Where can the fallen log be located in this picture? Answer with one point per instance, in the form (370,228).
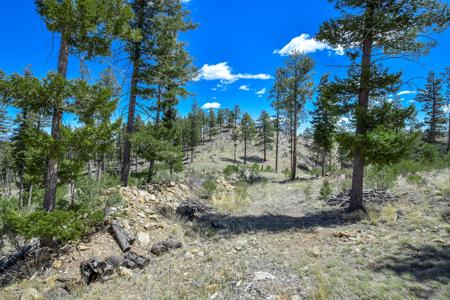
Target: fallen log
(11,260)
(121,236)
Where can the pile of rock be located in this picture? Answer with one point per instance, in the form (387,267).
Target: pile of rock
(371,197)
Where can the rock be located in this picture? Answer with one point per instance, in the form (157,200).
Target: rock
(94,269)
(133,260)
(143,239)
(57,264)
(115,261)
(165,246)
(31,294)
(260,276)
(192,209)
(56,293)
(124,272)
(83,247)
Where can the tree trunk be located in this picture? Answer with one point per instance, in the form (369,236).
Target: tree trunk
(150,171)
(126,161)
(323,163)
(245,150)
(192,154)
(21,192)
(51,180)
(448,134)
(30,195)
(278,139)
(356,198)
(294,142)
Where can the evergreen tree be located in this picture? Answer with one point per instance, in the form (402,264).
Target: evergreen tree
(323,121)
(277,94)
(220,119)
(90,33)
(235,134)
(434,104)
(161,66)
(194,127)
(446,76)
(212,124)
(247,132)
(265,128)
(388,28)
(297,80)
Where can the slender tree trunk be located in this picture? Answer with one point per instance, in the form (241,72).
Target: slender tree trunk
(150,171)
(51,180)
(192,154)
(448,134)
(356,198)
(277,139)
(30,195)
(294,142)
(245,150)
(126,161)
(323,163)
(21,191)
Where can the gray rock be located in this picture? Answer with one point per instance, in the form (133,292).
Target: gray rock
(165,246)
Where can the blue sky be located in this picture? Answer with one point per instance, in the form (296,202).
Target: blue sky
(234,47)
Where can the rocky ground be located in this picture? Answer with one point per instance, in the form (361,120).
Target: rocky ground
(270,240)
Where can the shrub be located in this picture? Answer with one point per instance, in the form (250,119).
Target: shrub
(209,186)
(268,169)
(414,179)
(325,190)
(382,178)
(230,170)
(62,226)
(287,173)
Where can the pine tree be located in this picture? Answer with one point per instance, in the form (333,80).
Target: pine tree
(235,134)
(220,119)
(323,121)
(390,28)
(194,128)
(277,94)
(296,78)
(446,76)
(247,132)
(90,33)
(434,107)
(265,128)
(212,124)
(161,66)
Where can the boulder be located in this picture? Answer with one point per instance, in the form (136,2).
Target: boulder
(165,246)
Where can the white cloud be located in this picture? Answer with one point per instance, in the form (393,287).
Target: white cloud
(261,92)
(224,73)
(306,44)
(244,88)
(213,105)
(185,1)
(406,93)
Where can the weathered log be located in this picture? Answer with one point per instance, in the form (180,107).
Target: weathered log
(133,260)
(11,260)
(120,235)
(95,269)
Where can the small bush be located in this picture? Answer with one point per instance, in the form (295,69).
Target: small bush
(414,179)
(308,191)
(268,169)
(382,178)
(287,173)
(62,226)
(209,186)
(230,170)
(325,190)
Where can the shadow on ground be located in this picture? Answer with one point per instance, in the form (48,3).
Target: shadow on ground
(420,263)
(272,223)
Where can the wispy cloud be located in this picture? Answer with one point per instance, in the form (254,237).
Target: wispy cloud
(261,92)
(185,1)
(244,88)
(306,44)
(223,72)
(213,105)
(406,93)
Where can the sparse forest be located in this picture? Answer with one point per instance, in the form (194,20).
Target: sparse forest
(118,181)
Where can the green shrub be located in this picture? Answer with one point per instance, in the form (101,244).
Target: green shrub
(63,226)
(382,178)
(255,167)
(325,190)
(414,179)
(268,169)
(230,170)
(209,186)
(287,173)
